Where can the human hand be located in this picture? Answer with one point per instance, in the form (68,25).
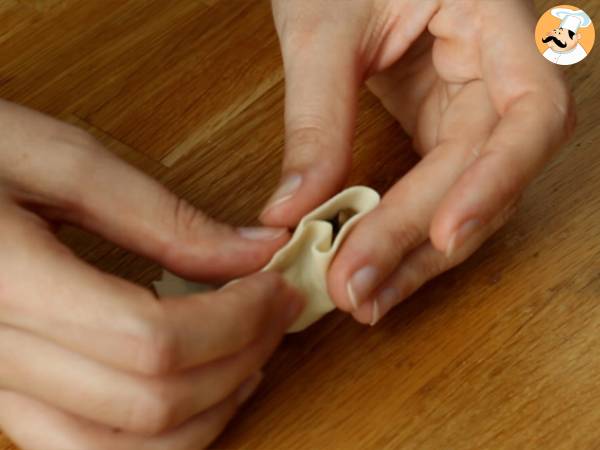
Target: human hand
(91,361)
(465,80)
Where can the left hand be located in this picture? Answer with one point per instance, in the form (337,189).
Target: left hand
(93,361)
(465,80)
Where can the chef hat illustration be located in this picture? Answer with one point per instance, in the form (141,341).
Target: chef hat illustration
(572,20)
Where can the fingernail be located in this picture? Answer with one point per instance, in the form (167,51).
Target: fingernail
(375,313)
(261,233)
(248,387)
(360,285)
(287,188)
(459,237)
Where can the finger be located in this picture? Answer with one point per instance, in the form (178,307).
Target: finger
(46,290)
(84,184)
(537,117)
(379,242)
(399,223)
(421,265)
(117,322)
(136,403)
(219,324)
(320,110)
(37,426)
(503,169)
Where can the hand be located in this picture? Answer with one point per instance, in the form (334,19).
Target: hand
(464,79)
(92,361)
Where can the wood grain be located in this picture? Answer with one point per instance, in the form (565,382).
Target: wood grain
(501,352)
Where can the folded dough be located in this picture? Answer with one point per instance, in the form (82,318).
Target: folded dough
(305,259)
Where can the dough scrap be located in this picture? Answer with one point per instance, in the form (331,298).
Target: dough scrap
(305,259)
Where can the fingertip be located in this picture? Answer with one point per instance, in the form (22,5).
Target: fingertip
(282,215)
(474,196)
(364,314)
(272,285)
(225,255)
(273,212)
(371,252)
(295,298)
(338,279)
(302,190)
(268,283)
(353,262)
(441,231)
(289,212)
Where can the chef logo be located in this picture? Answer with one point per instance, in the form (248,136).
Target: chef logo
(565,35)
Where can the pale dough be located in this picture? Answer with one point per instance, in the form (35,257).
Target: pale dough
(305,259)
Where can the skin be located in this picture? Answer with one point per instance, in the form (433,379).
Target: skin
(158,373)
(92,361)
(562,35)
(484,117)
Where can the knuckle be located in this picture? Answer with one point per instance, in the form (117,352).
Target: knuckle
(184,217)
(77,151)
(158,345)
(74,136)
(74,154)
(296,29)
(303,133)
(77,163)
(181,225)
(306,139)
(267,282)
(404,236)
(155,409)
(310,143)
(243,329)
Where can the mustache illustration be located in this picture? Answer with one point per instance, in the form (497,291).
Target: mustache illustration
(556,41)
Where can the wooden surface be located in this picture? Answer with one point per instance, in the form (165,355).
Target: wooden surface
(503,352)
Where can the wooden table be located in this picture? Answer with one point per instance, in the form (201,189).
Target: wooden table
(503,352)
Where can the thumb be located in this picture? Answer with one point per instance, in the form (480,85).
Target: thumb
(321,83)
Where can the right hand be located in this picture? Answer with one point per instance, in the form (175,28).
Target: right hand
(91,361)
(464,79)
